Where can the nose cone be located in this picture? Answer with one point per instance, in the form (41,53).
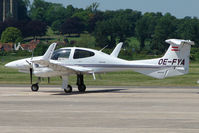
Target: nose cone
(11,65)
(19,64)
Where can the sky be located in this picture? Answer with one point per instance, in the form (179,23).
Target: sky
(178,8)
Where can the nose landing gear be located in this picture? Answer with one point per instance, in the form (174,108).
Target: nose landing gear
(35,87)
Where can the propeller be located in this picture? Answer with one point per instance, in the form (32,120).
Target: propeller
(31,71)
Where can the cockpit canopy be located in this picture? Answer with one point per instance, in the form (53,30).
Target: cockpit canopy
(66,53)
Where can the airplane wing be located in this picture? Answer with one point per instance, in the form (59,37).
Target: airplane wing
(57,66)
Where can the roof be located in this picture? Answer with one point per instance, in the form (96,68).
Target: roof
(6,46)
(31,45)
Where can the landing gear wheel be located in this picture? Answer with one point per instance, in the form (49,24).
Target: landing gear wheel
(82,88)
(35,87)
(68,89)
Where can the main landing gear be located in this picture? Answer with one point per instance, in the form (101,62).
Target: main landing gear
(80,83)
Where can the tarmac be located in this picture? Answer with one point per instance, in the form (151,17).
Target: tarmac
(99,110)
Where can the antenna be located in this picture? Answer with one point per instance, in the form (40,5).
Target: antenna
(104,47)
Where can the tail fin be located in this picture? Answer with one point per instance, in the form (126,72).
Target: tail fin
(178,48)
(175,61)
(178,53)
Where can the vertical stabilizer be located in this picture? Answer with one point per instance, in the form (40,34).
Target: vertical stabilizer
(179,53)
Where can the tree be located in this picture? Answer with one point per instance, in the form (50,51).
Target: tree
(166,28)
(55,12)
(185,28)
(22,9)
(70,10)
(129,15)
(2,27)
(56,25)
(188,29)
(20,24)
(35,28)
(93,7)
(27,3)
(72,26)
(84,15)
(38,10)
(101,34)
(107,32)
(88,16)
(142,31)
(93,19)
(11,34)
(145,27)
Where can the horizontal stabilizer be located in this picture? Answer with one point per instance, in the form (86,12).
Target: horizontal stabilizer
(179,42)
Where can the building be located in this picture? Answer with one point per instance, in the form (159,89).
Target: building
(8,8)
(7,47)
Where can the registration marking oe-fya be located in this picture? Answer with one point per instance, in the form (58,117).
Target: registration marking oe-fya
(180,62)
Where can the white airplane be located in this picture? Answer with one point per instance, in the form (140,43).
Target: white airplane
(79,61)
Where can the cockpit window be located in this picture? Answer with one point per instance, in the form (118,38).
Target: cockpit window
(60,54)
(82,54)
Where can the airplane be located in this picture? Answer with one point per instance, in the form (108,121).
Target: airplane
(80,61)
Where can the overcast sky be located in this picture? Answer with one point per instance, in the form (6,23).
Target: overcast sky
(178,8)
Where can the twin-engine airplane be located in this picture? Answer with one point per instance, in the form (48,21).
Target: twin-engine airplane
(79,61)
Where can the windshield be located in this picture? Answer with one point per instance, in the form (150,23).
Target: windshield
(61,54)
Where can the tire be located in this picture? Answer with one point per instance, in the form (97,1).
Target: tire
(69,89)
(35,87)
(82,88)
